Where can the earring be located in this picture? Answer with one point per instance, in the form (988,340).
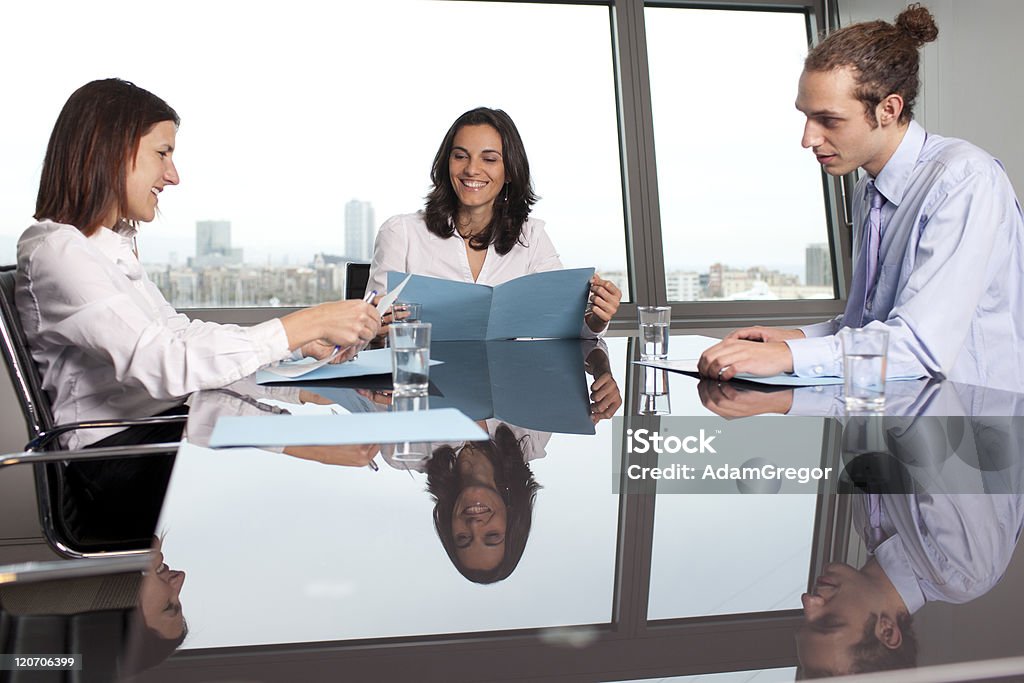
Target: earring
(506,192)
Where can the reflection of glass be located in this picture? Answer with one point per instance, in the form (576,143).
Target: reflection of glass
(405,312)
(654,398)
(654,321)
(408,451)
(410,358)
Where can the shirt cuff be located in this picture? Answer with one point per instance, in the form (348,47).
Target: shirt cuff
(821,400)
(816,357)
(822,329)
(270,341)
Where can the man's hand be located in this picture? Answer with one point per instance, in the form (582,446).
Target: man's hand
(729,400)
(728,358)
(765,334)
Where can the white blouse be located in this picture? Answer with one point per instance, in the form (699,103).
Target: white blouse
(405,245)
(108,344)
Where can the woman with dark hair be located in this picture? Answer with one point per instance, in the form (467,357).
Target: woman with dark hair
(108,345)
(483,502)
(476,225)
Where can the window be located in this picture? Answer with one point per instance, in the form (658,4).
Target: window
(305,125)
(742,216)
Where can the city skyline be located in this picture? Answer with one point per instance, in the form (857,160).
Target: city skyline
(277,174)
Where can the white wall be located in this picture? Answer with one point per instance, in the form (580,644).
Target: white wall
(971,76)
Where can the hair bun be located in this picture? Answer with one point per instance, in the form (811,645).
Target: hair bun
(918,23)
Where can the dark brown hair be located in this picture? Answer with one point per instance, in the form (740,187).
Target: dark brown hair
(511,208)
(515,482)
(870,654)
(94,140)
(884,57)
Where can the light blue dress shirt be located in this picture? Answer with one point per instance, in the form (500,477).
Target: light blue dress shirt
(945,547)
(951,265)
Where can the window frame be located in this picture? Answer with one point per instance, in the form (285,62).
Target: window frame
(645,261)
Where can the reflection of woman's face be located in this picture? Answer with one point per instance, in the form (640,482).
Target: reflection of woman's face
(479,519)
(161,608)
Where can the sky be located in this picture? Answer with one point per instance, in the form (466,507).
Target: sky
(288,115)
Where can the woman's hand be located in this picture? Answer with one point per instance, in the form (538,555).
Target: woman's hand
(604,302)
(344,324)
(359,455)
(320,349)
(605,398)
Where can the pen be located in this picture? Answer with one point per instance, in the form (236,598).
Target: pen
(366,299)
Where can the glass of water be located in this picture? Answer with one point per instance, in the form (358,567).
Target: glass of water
(864,353)
(410,358)
(654,332)
(409,451)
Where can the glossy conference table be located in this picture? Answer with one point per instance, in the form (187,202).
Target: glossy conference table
(301,568)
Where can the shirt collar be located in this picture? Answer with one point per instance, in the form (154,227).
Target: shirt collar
(895,562)
(119,247)
(892,180)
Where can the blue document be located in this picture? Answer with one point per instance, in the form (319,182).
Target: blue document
(374,362)
(446,424)
(538,384)
(542,305)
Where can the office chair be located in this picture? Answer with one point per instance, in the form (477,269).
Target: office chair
(63,513)
(356,277)
(35,404)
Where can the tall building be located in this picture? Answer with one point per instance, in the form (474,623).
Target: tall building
(359,230)
(818,266)
(213,246)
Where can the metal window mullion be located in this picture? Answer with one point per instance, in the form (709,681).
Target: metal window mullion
(636,131)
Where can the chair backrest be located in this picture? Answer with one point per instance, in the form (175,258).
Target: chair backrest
(356,277)
(24,374)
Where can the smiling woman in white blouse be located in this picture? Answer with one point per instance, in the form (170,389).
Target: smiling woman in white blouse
(107,343)
(476,226)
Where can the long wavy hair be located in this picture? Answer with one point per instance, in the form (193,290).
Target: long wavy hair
(515,483)
(94,140)
(511,208)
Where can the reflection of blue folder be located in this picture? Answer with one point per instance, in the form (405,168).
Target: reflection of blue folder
(548,305)
(538,385)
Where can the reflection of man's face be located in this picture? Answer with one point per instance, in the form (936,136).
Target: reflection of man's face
(161,608)
(835,613)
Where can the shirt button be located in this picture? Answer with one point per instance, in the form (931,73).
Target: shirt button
(868,306)
(818,369)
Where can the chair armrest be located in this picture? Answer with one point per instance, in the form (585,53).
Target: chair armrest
(46,436)
(131,451)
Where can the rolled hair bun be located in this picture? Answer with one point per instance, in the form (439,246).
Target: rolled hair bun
(918,23)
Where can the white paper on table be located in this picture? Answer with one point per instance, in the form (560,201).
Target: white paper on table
(392,296)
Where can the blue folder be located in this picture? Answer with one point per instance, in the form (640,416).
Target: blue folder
(537,384)
(541,305)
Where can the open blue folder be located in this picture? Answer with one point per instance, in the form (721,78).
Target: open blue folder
(537,384)
(446,424)
(545,305)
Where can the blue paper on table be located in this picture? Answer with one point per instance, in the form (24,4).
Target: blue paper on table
(542,305)
(539,384)
(374,362)
(446,424)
